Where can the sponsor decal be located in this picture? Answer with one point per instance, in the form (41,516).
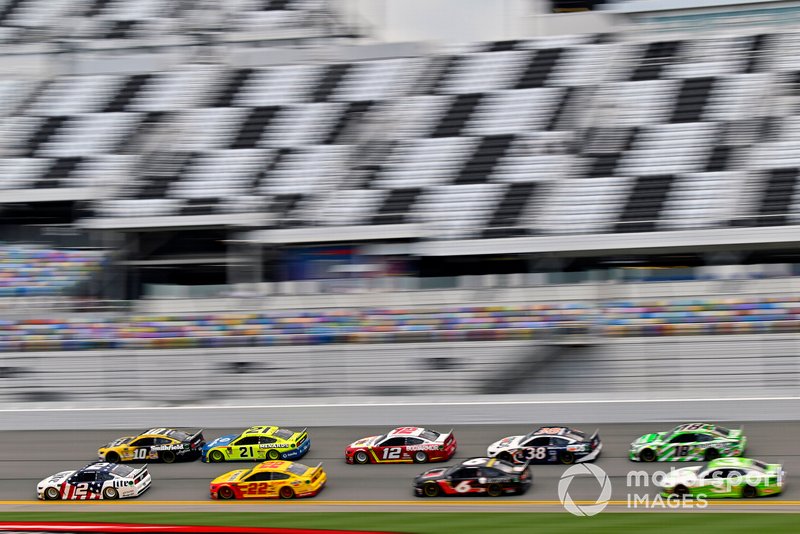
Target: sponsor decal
(423,447)
(178,447)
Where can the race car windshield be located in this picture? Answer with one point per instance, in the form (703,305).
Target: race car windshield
(721,430)
(297,469)
(283,433)
(761,465)
(430,435)
(123,470)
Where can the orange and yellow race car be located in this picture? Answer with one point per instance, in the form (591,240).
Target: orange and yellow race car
(269,480)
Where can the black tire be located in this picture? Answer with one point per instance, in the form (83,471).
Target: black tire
(431,489)
(216,456)
(286,493)
(225,493)
(361,457)
(110,494)
(52,494)
(566,458)
(711,454)
(112,457)
(420,457)
(647,455)
(680,490)
(167,457)
(748,492)
(272,454)
(494,490)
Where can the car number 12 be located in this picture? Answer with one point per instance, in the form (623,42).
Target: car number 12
(392,453)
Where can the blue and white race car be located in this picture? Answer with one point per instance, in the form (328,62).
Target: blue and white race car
(548,444)
(98,480)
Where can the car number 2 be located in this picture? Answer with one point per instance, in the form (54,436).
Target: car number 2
(392,453)
(81,490)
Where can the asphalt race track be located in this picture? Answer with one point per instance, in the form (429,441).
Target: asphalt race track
(29,456)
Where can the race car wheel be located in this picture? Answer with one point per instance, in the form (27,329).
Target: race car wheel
(216,456)
(273,455)
(494,490)
(420,457)
(360,457)
(431,489)
(286,493)
(647,455)
(680,490)
(167,457)
(566,458)
(748,492)
(52,494)
(110,494)
(226,494)
(112,457)
(711,454)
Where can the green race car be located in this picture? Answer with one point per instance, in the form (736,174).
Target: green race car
(691,442)
(258,443)
(725,477)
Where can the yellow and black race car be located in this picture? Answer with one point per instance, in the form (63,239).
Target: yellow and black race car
(165,444)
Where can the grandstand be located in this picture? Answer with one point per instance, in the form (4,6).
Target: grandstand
(263,151)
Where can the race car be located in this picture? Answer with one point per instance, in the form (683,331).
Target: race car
(275,479)
(165,444)
(97,480)
(403,445)
(726,477)
(548,444)
(690,442)
(476,476)
(258,443)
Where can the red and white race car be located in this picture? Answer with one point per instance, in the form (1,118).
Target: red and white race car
(403,445)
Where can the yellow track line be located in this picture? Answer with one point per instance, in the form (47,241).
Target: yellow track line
(311,502)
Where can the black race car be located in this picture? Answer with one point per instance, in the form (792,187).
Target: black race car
(548,444)
(476,476)
(165,444)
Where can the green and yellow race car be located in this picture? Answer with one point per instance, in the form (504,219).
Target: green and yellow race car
(689,442)
(258,443)
(725,477)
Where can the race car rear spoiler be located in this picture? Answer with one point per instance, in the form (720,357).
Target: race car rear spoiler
(448,435)
(197,436)
(595,439)
(316,471)
(139,472)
